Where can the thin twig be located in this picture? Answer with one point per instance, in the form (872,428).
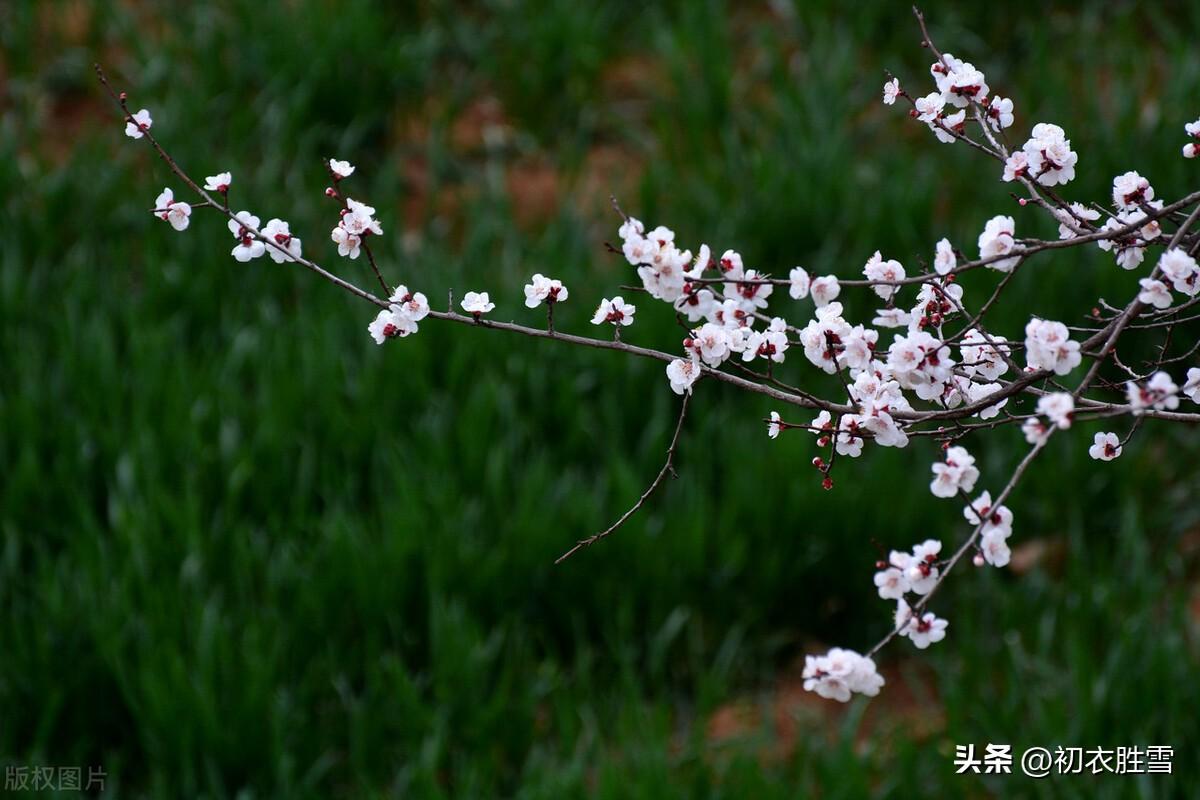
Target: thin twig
(667,468)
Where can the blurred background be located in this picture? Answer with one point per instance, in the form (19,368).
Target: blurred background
(246,553)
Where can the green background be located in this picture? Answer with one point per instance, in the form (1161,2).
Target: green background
(244,552)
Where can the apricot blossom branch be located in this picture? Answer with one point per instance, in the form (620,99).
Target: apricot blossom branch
(949,375)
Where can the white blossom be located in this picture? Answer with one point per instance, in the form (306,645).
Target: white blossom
(1035,430)
(877,269)
(696,304)
(1057,407)
(840,673)
(1159,393)
(891,318)
(219,182)
(997,240)
(1130,190)
(477,303)
(922,572)
(944,260)
(1000,113)
(348,244)
(1051,160)
(342,169)
(541,289)
(963,84)
(750,296)
(1154,293)
(1181,269)
(1105,447)
(682,374)
(774,426)
(178,214)
(1191,385)
(1016,166)
(824,290)
(984,358)
(891,90)
(892,580)
(922,629)
(929,108)
(798,283)
(957,473)
(1068,223)
(1048,346)
(140,122)
(616,311)
(242,228)
(410,306)
(276,230)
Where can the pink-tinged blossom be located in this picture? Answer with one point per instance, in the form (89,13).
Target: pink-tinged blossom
(949,126)
(412,306)
(401,317)
(770,344)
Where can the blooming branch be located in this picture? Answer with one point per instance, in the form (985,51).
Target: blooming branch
(947,376)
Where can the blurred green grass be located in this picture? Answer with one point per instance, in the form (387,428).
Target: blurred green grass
(246,553)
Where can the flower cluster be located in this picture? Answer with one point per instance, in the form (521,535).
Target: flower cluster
(400,318)
(839,673)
